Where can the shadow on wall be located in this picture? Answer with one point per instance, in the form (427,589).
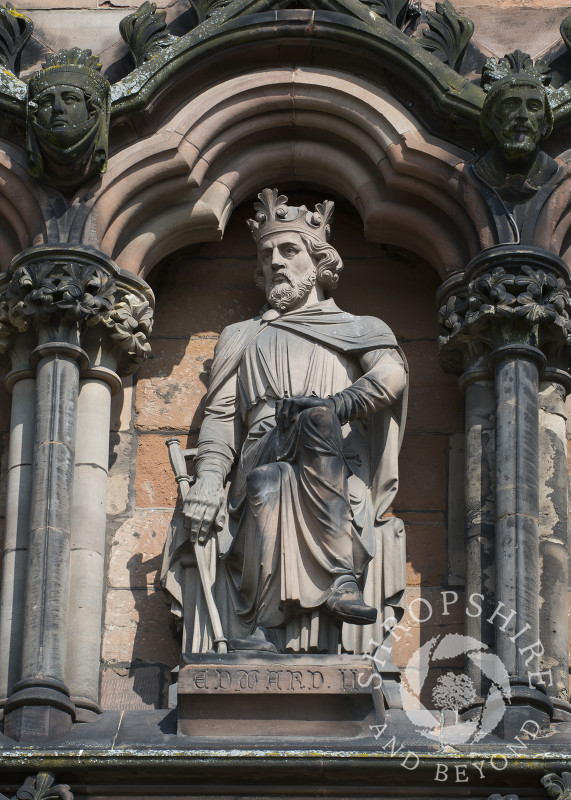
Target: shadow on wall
(149,681)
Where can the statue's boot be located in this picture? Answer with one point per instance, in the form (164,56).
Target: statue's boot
(259,640)
(346,603)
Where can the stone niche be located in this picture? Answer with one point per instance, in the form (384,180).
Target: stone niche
(199,291)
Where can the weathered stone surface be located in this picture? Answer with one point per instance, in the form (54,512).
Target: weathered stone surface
(428,613)
(172,384)
(422,473)
(435,403)
(136,550)
(155,486)
(122,406)
(138,627)
(201,311)
(426,553)
(121,471)
(132,688)
(252,694)
(409,283)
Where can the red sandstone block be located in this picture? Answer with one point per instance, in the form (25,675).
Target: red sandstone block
(136,552)
(173,383)
(139,625)
(435,403)
(154,481)
(422,468)
(155,485)
(426,554)
(201,310)
(401,295)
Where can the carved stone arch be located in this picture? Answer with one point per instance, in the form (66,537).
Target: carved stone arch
(553,226)
(321,127)
(22,217)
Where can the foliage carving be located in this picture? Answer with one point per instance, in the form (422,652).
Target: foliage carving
(145,32)
(15,30)
(67,289)
(130,322)
(70,296)
(534,295)
(557,787)
(41,787)
(448,34)
(400,13)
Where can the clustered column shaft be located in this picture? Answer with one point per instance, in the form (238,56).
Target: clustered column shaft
(505,324)
(94,326)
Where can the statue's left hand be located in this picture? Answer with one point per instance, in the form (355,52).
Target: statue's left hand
(288,409)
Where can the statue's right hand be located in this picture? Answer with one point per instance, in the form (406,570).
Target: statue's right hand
(202,504)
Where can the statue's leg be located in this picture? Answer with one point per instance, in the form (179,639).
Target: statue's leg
(323,475)
(323,478)
(257,568)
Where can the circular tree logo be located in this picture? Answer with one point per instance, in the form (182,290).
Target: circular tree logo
(453,692)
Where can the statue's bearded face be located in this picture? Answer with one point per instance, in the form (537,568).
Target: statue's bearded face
(517,120)
(62,107)
(288,269)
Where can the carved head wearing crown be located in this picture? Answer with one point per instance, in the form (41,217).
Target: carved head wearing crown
(516,114)
(293,249)
(67,119)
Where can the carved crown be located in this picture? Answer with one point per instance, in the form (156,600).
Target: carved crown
(76,67)
(516,65)
(273,215)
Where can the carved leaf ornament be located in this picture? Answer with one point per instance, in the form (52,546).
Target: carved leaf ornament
(559,788)
(81,295)
(532,294)
(78,293)
(448,34)
(130,322)
(15,30)
(41,787)
(144,32)
(400,13)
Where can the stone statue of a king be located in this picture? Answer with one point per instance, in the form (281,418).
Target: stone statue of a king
(296,464)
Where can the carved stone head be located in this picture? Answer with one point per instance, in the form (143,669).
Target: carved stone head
(68,120)
(516,115)
(517,118)
(293,251)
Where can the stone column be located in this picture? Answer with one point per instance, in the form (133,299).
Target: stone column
(87,318)
(506,320)
(22,384)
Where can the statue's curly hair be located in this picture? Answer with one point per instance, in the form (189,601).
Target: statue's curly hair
(329,264)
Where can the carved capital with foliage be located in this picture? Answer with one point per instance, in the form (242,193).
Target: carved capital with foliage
(41,787)
(557,787)
(60,293)
(507,295)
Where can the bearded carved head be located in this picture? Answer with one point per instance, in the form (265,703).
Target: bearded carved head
(67,120)
(293,249)
(516,115)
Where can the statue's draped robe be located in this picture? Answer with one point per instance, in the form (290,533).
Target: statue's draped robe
(280,576)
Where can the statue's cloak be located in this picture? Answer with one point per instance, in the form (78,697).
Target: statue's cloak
(372,493)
